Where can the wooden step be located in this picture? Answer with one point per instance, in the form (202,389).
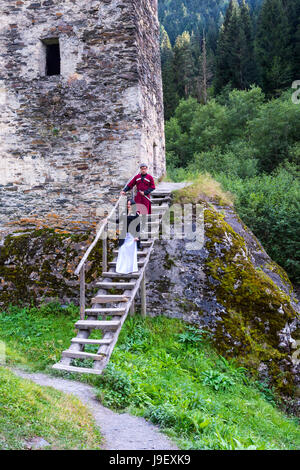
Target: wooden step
(149,234)
(105,299)
(160,199)
(98,342)
(121,276)
(105,311)
(158,192)
(83,355)
(97,324)
(116,285)
(82,370)
(114,263)
(146,243)
(139,253)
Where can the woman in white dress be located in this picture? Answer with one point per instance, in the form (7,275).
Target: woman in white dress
(128,246)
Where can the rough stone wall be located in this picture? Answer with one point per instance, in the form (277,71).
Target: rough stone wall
(69,142)
(149,73)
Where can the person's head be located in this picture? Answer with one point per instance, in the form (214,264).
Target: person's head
(143,168)
(131,205)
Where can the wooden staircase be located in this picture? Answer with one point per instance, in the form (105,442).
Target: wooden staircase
(109,311)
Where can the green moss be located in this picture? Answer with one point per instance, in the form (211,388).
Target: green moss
(275,268)
(256,309)
(168,262)
(41,264)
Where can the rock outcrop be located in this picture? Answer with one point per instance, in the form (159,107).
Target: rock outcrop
(233,289)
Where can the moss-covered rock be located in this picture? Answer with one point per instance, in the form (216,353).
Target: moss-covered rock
(39,265)
(231,287)
(257,311)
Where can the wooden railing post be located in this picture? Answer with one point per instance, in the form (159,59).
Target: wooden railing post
(132,307)
(82,292)
(143,297)
(104,248)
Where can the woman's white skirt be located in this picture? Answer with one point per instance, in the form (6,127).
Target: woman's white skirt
(127,257)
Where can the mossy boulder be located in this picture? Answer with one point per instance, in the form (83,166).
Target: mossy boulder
(38,265)
(232,288)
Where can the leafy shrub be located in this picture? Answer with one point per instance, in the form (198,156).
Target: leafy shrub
(164,415)
(230,366)
(191,336)
(270,205)
(217,380)
(116,388)
(138,339)
(267,392)
(183,421)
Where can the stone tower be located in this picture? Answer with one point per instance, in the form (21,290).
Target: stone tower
(81,105)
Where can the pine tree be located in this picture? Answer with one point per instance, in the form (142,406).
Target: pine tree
(171,98)
(205,73)
(248,60)
(223,73)
(184,65)
(273,47)
(292,8)
(235,65)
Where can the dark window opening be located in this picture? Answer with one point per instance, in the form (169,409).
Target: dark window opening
(53,58)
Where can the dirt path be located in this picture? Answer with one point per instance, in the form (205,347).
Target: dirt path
(120,431)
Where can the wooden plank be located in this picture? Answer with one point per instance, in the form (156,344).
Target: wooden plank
(97,324)
(116,285)
(114,263)
(82,292)
(104,250)
(115,336)
(121,276)
(81,370)
(132,308)
(139,253)
(105,311)
(83,355)
(90,341)
(104,299)
(160,199)
(143,296)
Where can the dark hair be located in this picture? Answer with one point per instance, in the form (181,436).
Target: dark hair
(133,203)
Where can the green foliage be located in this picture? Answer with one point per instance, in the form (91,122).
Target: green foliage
(37,334)
(274,131)
(161,378)
(235,64)
(177,381)
(269,205)
(28,411)
(252,148)
(267,392)
(217,380)
(191,335)
(273,46)
(119,386)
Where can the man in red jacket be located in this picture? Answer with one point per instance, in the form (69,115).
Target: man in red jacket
(145,185)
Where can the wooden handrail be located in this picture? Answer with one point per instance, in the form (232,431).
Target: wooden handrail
(94,243)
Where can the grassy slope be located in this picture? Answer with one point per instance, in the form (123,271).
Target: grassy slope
(165,371)
(28,411)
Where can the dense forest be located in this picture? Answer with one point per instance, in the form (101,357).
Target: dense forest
(228,69)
